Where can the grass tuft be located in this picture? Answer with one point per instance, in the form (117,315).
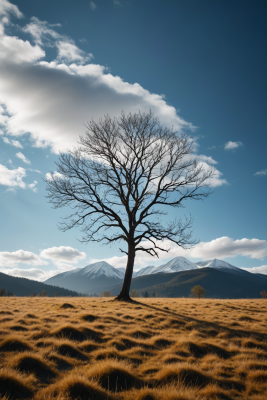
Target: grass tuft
(14,344)
(67,305)
(34,364)
(15,386)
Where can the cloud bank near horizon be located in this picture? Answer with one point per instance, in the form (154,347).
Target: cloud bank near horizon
(64,257)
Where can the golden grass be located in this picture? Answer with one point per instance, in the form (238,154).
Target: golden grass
(95,348)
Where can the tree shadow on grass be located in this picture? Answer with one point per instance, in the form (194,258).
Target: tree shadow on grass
(211,329)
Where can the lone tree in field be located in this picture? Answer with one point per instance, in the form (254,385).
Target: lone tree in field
(198,291)
(121,179)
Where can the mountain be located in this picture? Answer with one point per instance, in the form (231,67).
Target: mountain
(182,264)
(144,271)
(216,282)
(25,287)
(93,278)
(222,266)
(175,265)
(122,269)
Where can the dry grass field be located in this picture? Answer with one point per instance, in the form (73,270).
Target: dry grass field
(94,348)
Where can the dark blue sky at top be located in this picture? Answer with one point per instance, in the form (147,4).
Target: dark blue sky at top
(209,59)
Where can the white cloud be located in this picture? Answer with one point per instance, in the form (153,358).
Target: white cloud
(31,273)
(44,35)
(68,95)
(68,52)
(13,142)
(42,32)
(55,174)
(8,259)
(64,267)
(32,186)
(225,247)
(257,270)
(63,254)
(206,159)
(216,179)
(15,51)
(34,170)
(92,5)
(232,145)
(7,8)
(23,158)
(12,177)
(263,172)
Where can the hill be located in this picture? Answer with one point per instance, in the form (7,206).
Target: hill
(216,282)
(25,287)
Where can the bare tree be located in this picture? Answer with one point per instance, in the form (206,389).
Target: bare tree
(120,181)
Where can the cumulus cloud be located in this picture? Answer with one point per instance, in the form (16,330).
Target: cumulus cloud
(216,179)
(63,254)
(8,259)
(262,172)
(23,158)
(92,5)
(49,176)
(257,270)
(14,51)
(68,95)
(232,145)
(15,143)
(225,247)
(31,273)
(69,92)
(12,177)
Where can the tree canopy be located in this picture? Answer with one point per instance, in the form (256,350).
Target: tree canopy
(121,179)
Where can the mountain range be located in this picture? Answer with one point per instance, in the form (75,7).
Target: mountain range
(173,279)
(101,276)
(216,282)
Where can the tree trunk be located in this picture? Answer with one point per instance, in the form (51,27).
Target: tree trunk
(124,294)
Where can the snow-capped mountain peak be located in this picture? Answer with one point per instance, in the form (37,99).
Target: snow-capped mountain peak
(144,271)
(101,268)
(222,266)
(175,265)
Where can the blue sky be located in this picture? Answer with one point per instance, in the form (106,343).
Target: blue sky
(199,65)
